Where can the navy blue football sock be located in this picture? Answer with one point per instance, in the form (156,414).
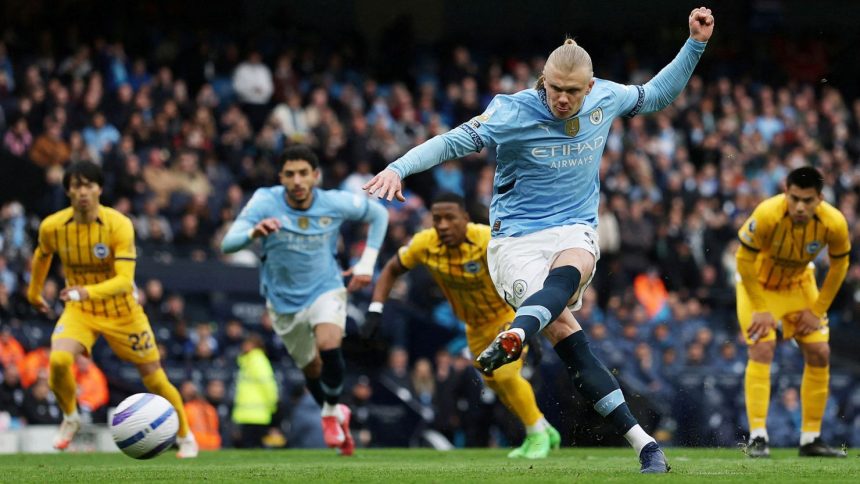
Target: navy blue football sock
(544,306)
(331,379)
(594,381)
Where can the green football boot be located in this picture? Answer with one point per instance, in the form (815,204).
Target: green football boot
(554,437)
(536,446)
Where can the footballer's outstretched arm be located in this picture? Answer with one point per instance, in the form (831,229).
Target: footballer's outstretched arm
(663,88)
(453,144)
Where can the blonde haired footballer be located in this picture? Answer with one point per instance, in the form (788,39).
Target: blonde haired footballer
(455,253)
(96,247)
(779,243)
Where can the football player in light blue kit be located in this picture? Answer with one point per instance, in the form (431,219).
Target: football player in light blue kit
(549,141)
(300,278)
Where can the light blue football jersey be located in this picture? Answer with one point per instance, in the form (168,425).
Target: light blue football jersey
(299,259)
(547,168)
(547,171)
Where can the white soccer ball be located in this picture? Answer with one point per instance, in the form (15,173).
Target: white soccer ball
(144,425)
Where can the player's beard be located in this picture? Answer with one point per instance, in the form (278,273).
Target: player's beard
(299,196)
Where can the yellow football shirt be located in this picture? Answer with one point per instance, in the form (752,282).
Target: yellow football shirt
(784,250)
(89,253)
(461,273)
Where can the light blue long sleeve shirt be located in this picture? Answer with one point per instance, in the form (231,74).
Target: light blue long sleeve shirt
(547,171)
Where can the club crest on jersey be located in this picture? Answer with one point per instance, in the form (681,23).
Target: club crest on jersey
(571,127)
(520,288)
(325,221)
(752,226)
(813,247)
(304,223)
(472,267)
(596,116)
(101,251)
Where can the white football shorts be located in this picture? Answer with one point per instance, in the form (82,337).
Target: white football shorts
(519,265)
(297,330)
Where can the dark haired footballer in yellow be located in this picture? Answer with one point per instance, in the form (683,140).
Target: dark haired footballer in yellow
(779,243)
(455,253)
(96,247)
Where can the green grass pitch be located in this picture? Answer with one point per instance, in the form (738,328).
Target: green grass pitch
(486,466)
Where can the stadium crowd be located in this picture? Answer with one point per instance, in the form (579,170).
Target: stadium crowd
(185,139)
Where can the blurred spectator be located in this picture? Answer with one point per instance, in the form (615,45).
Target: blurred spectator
(153,300)
(290,118)
(187,176)
(423,382)
(397,371)
(651,292)
(202,417)
(256,397)
(35,362)
(18,138)
(50,149)
(11,351)
(305,425)
(784,419)
(40,407)
(253,84)
(100,136)
(216,395)
(12,394)
(230,341)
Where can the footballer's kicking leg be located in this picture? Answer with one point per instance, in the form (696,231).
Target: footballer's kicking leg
(562,285)
(814,389)
(155,380)
(757,394)
(62,383)
(335,415)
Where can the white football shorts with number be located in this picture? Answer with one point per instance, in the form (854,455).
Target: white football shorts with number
(519,265)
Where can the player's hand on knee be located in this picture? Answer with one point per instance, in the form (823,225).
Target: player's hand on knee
(806,323)
(74,293)
(266,227)
(762,324)
(701,24)
(386,184)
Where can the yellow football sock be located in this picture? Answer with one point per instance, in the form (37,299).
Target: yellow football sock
(62,381)
(158,384)
(516,393)
(814,389)
(757,391)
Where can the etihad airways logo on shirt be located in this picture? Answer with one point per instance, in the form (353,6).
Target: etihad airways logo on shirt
(568,149)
